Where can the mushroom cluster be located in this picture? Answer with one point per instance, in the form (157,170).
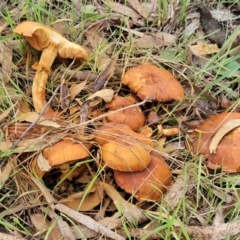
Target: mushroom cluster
(137,168)
(227,152)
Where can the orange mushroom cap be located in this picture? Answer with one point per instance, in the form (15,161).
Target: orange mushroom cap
(149,183)
(65,151)
(151,82)
(125,156)
(122,148)
(132,116)
(228,150)
(111,132)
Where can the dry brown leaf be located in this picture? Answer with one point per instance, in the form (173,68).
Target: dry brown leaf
(79,202)
(225,128)
(42,225)
(105,75)
(33,117)
(6,112)
(5,236)
(64,95)
(191,28)
(125,10)
(5,173)
(43,163)
(75,89)
(105,94)
(155,40)
(6,61)
(63,226)
(130,211)
(203,49)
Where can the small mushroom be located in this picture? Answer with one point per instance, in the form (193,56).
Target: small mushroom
(122,148)
(228,150)
(148,184)
(132,116)
(151,82)
(51,43)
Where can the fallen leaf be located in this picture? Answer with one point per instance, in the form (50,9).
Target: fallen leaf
(85,202)
(6,112)
(64,95)
(42,225)
(43,163)
(105,75)
(5,173)
(75,89)
(155,40)
(130,211)
(191,28)
(105,94)
(33,117)
(125,10)
(6,61)
(225,128)
(203,49)
(223,14)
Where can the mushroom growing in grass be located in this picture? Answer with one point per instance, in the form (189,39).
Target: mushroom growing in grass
(51,43)
(148,184)
(151,82)
(122,148)
(132,116)
(60,155)
(228,149)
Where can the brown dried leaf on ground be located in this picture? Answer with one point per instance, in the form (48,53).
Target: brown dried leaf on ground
(147,10)
(6,61)
(203,49)
(42,225)
(105,75)
(125,10)
(155,40)
(81,201)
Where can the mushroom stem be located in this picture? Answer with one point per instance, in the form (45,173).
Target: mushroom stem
(40,79)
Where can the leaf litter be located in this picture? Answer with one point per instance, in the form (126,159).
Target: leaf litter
(118,36)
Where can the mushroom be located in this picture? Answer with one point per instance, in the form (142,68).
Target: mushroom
(148,184)
(122,148)
(65,151)
(132,116)
(228,149)
(151,82)
(51,43)
(61,154)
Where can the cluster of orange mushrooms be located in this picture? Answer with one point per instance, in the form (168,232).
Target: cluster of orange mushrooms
(124,145)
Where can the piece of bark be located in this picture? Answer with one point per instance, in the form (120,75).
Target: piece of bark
(211,26)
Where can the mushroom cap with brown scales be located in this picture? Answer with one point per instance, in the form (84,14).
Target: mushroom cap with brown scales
(148,184)
(151,82)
